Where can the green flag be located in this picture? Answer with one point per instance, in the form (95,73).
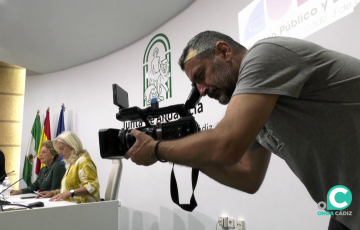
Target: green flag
(33,146)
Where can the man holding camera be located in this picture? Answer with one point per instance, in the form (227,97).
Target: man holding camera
(290,97)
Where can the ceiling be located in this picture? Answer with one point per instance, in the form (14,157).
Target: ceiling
(46,36)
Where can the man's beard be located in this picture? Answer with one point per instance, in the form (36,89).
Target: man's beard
(225,83)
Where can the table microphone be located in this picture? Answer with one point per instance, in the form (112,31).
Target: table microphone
(6,174)
(4,202)
(36,204)
(31,205)
(14,183)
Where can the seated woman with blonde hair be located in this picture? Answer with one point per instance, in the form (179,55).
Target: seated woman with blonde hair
(80,183)
(49,178)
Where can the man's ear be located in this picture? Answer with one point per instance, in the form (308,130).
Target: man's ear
(224,50)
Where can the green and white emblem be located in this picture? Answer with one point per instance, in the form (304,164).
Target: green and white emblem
(157,70)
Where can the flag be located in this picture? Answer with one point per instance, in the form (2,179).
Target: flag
(61,128)
(45,135)
(32,149)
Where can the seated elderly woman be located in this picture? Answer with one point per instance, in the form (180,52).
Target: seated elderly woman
(49,178)
(80,183)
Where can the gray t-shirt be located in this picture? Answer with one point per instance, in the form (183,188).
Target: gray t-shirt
(315,125)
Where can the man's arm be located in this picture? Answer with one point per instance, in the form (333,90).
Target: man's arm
(225,145)
(246,175)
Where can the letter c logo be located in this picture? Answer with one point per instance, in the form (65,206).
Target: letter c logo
(332,197)
(339,197)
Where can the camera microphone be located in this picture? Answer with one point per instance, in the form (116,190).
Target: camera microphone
(6,173)
(154,103)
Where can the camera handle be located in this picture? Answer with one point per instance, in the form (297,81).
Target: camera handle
(175,193)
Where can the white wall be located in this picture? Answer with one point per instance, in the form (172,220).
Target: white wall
(281,203)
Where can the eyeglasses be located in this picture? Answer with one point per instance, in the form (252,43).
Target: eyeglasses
(42,152)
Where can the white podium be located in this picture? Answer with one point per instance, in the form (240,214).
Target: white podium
(60,215)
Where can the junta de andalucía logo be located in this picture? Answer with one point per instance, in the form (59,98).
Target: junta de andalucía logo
(157,70)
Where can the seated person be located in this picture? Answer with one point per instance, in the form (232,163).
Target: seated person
(49,178)
(80,183)
(2,167)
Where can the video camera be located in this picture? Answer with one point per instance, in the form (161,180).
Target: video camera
(114,143)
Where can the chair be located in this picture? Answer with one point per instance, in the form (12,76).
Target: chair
(112,189)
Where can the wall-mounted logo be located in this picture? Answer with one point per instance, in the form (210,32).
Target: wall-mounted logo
(157,70)
(339,197)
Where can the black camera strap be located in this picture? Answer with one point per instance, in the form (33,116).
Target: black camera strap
(175,193)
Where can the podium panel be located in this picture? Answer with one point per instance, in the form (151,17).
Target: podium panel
(63,215)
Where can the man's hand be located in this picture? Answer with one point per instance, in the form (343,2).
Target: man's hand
(142,152)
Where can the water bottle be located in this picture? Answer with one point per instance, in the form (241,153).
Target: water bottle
(6,183)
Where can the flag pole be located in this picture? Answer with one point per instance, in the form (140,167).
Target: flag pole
(61,127)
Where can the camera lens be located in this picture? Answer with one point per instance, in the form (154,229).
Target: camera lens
(123,145)
(130,140)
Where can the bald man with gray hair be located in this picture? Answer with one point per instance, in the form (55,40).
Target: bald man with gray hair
(285,96)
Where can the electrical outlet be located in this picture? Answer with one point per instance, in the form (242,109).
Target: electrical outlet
(223,221)
(240,224)
(231,222)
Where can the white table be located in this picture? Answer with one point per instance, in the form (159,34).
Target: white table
(18,199)
(60,215)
